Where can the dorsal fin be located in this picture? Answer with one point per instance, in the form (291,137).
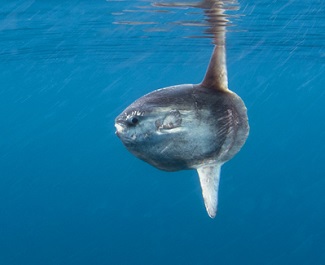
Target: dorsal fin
(216,75)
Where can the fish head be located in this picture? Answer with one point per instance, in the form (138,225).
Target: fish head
(136,125)
(147,130)
(157,128)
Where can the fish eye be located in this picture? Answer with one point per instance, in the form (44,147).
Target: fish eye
(135,120)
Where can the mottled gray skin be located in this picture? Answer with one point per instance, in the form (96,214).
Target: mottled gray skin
(184,126)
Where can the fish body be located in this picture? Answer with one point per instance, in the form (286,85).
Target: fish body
(186,127)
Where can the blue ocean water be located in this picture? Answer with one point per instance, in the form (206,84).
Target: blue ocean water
(70,193)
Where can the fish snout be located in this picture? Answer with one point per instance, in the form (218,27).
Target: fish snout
(120,127)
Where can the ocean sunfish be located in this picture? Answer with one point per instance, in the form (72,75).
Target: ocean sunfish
(188,126)
(199,126)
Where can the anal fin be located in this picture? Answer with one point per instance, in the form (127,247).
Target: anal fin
(209,179)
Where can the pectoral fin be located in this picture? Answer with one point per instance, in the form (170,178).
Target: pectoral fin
(209,179)
(173,120)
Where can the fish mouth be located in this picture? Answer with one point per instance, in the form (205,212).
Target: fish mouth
(119,129)
(120,126)
(129,141)
(121,132)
